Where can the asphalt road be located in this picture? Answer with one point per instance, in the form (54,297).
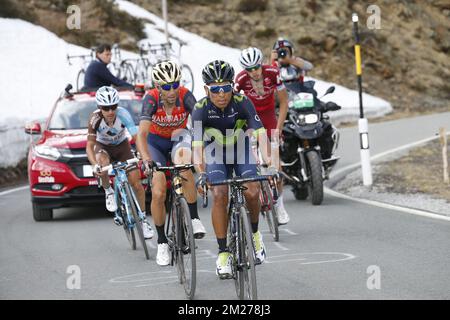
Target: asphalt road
(332,251)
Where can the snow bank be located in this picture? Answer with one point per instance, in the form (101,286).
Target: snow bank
(34,71)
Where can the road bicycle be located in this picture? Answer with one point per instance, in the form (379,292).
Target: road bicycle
(239,237)
(268,195)
(180,234)
(152,54)
(128,208)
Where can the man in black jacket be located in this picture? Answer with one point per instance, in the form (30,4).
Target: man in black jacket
(97,73)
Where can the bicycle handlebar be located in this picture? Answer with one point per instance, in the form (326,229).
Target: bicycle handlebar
(174,167)
(120,164)
(239,180)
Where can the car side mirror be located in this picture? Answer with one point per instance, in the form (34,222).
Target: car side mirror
(33,128)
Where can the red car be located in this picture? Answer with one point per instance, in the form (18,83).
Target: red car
(59,172)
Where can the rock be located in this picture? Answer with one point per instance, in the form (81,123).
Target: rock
(330,43)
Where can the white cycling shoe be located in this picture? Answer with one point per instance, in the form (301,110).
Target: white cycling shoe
(198,228)
(163,256)
(223,265)
(111,204)
(283,216)
(260,249)
(147,229)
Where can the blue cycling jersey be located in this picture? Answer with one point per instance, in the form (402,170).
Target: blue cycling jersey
(224,126)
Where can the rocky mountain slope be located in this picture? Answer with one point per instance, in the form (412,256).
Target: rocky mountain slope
(405,62)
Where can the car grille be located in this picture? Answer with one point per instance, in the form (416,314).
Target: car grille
(86,190)
(76,159)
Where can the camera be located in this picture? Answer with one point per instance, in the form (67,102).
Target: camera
(282,52)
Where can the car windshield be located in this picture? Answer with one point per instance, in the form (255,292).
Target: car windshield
(71,114)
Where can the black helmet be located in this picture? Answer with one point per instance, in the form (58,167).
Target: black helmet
(283,43)
(217,71)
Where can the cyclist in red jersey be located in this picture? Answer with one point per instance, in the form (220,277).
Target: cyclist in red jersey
(163,130)
(259,83)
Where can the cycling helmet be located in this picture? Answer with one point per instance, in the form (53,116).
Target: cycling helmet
(283,43)
(250,57)
(217,71)
(107,96)
(166,72)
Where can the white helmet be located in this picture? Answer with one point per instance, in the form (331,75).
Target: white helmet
(166,72)
(107,96)
(250,57)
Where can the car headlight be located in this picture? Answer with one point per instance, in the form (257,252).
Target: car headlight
(47,152)
(311,118)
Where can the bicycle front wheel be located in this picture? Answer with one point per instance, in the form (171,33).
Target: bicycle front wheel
(247,252)
(129,230)
(137,219)
(186,262)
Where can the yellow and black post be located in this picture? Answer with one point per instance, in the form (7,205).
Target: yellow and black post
(362,122)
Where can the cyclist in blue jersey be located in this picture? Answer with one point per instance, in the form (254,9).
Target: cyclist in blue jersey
(107,141)
(219,121)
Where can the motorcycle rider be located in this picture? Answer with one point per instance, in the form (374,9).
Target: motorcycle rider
(292,68)
(259,82)
(292,72)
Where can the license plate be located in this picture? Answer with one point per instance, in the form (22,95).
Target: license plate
(87,171)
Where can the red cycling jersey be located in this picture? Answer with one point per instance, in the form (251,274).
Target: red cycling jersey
(162,124)
(262,94)
(262,97)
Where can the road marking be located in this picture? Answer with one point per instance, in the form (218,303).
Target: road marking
(13,190)
(291,257)
(382,204)
(289,231)
(283,248)
(388,206)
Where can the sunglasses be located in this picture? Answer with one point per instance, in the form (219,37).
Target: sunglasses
(223,88)
(107,108)
(168,86)
(253,68)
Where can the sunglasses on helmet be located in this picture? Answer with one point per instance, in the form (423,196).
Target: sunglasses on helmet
(168,86)
(223,88)
(107,108)
(253,68)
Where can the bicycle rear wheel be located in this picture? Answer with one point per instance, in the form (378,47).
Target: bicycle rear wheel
(137,219)
(126,70)
(248,276)
(129,230)
(187,77)
(187,267)
(80,79)
(270,211)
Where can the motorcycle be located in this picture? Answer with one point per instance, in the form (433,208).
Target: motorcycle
(310,141)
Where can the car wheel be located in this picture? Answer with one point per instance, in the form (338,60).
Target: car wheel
(42,214)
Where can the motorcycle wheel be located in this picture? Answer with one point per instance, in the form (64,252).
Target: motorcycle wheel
(316,181)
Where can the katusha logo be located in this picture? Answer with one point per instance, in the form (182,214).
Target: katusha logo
(46,177)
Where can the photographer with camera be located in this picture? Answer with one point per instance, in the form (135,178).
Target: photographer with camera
(291,68)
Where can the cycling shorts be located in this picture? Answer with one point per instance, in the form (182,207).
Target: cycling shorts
(160,148)
(120,152)
(222,161)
